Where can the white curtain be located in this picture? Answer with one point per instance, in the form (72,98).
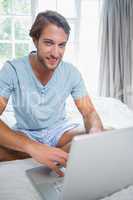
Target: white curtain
(116,61)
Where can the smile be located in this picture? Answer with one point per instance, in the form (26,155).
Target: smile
(52,60)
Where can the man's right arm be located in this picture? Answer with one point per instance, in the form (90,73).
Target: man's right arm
(40,152)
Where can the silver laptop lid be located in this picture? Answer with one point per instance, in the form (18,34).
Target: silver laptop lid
(99,165)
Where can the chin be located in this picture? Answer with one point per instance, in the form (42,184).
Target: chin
(50,67)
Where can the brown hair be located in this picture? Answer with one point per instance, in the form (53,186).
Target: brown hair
(44,18)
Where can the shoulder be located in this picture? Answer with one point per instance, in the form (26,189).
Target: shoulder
(12,68)
(18,63)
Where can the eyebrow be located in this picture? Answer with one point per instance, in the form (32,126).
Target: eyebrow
(49,40)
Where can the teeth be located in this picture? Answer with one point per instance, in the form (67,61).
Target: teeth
(52,59)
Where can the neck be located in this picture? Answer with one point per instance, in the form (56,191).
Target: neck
(43,74)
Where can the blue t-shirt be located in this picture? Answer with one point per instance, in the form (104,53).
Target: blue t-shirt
(39,106)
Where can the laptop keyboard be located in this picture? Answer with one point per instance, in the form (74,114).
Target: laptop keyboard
(58,185)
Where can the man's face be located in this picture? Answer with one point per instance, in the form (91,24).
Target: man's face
(51,46)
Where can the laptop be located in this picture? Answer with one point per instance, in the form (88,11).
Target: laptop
(99,165)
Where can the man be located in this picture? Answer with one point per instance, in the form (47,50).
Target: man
(39,85)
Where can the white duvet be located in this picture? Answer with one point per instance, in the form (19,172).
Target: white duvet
(113,113)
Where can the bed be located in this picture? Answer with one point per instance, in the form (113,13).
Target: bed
(14,185)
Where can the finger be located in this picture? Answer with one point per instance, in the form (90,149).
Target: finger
(60,162)
(56,169)
(57,159)
(61,154)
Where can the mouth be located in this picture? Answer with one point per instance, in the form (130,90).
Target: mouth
(52,61)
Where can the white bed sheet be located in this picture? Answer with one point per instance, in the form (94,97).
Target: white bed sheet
(14,184)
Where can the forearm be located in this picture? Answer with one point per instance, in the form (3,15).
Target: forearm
(12,140)
(40,152)
(92,122)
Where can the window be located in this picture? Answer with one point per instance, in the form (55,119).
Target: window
(15,21)
(89,43)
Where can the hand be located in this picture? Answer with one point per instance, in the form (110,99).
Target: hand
(50,156)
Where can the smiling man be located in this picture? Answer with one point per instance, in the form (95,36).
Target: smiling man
(39,85)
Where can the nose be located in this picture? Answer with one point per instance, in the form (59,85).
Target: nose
(55,51)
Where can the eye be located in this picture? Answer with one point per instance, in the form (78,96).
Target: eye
(48,43)
(62,45)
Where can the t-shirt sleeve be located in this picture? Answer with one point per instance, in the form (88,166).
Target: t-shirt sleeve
(6,80)
(78,85)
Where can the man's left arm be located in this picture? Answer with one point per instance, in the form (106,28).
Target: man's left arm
(91,119)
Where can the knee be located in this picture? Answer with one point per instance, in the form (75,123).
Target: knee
(65,139)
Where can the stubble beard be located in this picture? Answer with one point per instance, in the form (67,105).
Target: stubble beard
(44,65)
